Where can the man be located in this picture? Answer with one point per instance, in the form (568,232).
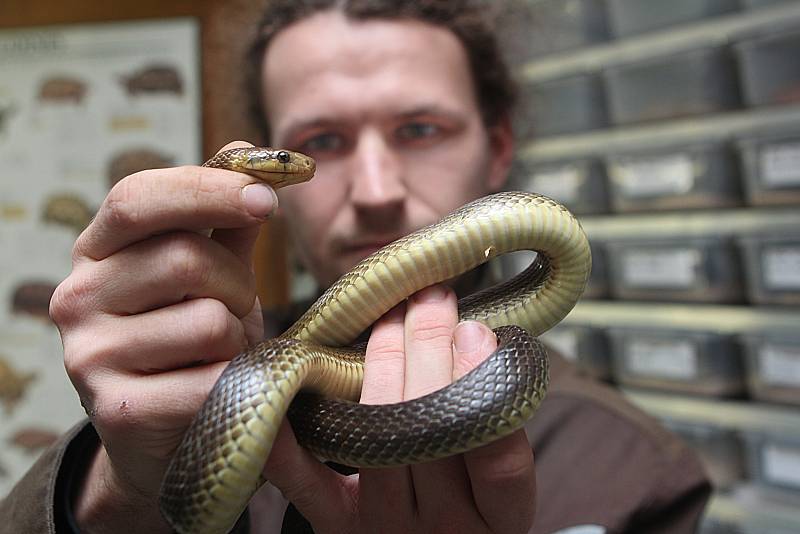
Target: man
(405,107)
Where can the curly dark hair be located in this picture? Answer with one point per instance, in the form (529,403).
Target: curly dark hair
(469,20)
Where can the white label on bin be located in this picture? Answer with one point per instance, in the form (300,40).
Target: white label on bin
(674,268)
(781,464)
(780,164)
(560,183)
(564,341)
(669,175)
(780,364)
(666,359)
(782,268)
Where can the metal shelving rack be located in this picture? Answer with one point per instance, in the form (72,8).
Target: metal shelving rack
(736,507)
(710,32)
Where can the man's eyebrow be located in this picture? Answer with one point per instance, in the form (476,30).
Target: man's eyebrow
(308,124)
(430,109)
(321,122)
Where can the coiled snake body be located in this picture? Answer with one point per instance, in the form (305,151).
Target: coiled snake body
(218,465)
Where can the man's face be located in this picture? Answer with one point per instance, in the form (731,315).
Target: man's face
(388,110)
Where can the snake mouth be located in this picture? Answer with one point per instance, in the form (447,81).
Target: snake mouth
(277,179)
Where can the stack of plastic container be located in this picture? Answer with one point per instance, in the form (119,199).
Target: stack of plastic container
(672,129)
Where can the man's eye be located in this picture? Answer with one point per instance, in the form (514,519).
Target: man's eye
(326,142)
(417,130)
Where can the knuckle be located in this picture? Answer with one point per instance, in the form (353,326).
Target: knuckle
(122,206)
(61,309)
(69,299)
(196,183)
(384,350)
(76,366)
(80,249)
(85,366)
(218,327)
(432,331)
(512,466)
(77,371)
(303,491)
(187,262)
(244,299)
(92,385)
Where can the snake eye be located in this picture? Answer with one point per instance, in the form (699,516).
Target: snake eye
(283,156)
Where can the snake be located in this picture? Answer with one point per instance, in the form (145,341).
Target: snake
(312,373)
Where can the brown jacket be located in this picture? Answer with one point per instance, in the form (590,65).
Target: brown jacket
(599,461)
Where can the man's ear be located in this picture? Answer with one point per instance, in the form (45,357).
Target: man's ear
(501,144)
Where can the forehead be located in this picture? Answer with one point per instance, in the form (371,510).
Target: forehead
(328,62)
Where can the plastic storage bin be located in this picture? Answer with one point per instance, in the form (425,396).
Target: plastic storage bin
(629,17)
(597,286)
(772,266)
(774,460)
(756,4)
(545,27)
(580,184)
(720,450)
(562,106)
(771,169)
(698,176)
(585,346)
(769,69)
(691,269)
(773,366)
(692,83)
(510,265)
(701,363)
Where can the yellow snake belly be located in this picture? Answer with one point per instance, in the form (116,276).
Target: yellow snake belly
(218,465)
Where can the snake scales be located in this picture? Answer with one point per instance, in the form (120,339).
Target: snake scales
(218,465)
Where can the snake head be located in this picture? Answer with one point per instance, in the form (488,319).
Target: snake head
(276,167)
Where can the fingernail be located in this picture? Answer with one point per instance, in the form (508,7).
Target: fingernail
(436,293)
(260,200)
(468,336)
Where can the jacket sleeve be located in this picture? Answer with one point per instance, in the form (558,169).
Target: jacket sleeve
(41,501)
(680,503)
(38,502)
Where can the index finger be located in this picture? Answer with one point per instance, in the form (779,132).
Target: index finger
(181,198)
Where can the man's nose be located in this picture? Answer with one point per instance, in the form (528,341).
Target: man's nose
(377,179)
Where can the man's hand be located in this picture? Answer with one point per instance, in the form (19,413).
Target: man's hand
(152,312)
(412,352)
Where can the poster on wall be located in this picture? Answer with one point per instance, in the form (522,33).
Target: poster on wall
(81,107)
